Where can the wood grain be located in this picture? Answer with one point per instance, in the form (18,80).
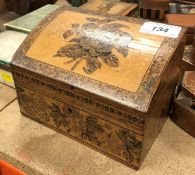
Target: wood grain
(110,118)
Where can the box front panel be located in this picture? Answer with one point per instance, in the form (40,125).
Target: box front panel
(115,141)
(115,113)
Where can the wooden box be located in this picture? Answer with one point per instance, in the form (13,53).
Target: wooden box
(154,9)
(98,80)
(111,7)
(183,110)
(185,20)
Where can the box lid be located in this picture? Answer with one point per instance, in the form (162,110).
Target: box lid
(110,7)
(105,56)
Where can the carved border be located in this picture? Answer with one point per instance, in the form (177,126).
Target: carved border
(139,101)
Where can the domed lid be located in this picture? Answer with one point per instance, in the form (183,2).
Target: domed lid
(104,56)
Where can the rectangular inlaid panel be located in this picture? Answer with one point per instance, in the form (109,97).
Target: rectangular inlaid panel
(110,7)
(104,49)
(113,140)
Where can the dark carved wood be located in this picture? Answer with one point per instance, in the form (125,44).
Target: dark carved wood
(23,7)
(154,9)
(114,120)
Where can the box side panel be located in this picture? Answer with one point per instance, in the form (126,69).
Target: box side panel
(98,133)
(169,78)
(161,107)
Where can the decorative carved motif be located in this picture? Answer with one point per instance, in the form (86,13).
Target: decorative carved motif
(59,117)
(120,115)
(91,129)
(130,143)
(95,43)
(117,141)
(106,130)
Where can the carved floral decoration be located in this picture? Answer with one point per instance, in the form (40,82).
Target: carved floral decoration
(94,43)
